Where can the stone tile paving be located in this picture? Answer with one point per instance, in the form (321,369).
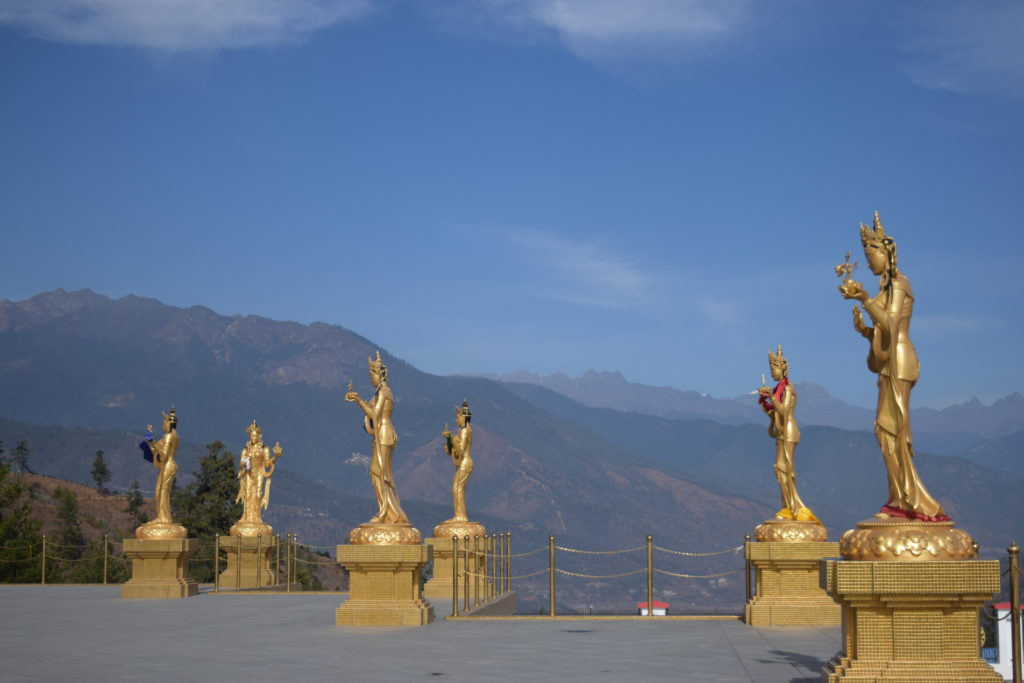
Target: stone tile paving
(87,633)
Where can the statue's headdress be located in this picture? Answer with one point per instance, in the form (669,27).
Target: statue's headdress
(377,365)
(876,233)
(464,410)
(254,428)
(777,359)
(172,418)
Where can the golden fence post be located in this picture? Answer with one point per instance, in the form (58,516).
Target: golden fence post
(476,570)
(295,559)
(551,576)
(501,564)
(1015,607)
(277,563)
(238,562)
(288,564)
(216,563)
(487,567)
(44,560)
(259,558)
(455,576)
(106,549)
(746,565)
(508,561)
(465,574)
(650,576)
(491,565)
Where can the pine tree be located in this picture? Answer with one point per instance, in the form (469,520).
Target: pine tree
(19,531)
(135,503)
(69,530)
(21,453)
(100,473)
(207,506)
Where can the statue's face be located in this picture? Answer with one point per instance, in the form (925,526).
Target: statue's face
(254,436)
(877,258)
(375,377)
(777,373)
(460,419)
(167,423)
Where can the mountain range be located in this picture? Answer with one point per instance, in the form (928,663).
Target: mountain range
(81,372)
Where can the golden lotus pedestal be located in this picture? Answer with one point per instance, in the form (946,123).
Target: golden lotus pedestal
(785,556)
(911,615)
(440,584)
(384,585)
(248,562)
(159,568)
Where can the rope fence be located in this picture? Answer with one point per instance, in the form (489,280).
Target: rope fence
(482,569)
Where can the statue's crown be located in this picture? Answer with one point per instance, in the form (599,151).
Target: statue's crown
(777,358)
(375,364)
(876,233)
(254,428)
(172,417)
(464,409)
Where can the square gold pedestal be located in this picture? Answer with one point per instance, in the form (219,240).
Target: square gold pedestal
(910,622)
(249,562)
(440,585)
(787,587)
(384,585)
(159,568)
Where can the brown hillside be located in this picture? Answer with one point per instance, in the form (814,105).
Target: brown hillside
(98,514)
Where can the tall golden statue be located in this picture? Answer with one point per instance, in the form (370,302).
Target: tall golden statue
(891,355)
(459,447)
(255,469)
(161,454)
(780,404)
(390,525)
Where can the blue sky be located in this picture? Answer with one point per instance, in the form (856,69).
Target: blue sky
(656,187)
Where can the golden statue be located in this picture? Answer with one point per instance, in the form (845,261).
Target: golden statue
(161,454)
(459,447)
(892,357)
(255,469)
(390,525)
(780,404)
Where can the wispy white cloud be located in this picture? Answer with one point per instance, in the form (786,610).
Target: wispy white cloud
(179,25)
(719,310)
(966,46)
(602,29)
(583,274)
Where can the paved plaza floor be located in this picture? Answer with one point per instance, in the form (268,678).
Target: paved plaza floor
(80,634)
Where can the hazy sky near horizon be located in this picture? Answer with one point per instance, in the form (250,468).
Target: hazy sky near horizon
(658,187)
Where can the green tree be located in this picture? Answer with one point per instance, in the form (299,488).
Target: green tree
(100,473)
(19,531)
(69,537)
(135,503)
(207,507)
(21,453)
(90,567)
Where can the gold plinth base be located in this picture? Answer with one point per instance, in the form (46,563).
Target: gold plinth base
(249,560)
(159,568)
(384,586)
(440,584)
(460,529)
(161,530)
(906,540)
(379,533)
(790,531)
(251,529)
(910,622)
(788,590)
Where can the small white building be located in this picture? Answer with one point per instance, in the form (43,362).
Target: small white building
(1004,640)
(660,608)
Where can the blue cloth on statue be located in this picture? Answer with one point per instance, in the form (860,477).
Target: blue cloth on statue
(147,452)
